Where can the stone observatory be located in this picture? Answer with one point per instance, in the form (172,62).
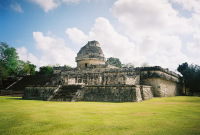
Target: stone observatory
(90,54)
(93,80)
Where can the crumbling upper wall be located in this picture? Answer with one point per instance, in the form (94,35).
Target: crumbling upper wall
(101,76)
(159,72)
(165,83)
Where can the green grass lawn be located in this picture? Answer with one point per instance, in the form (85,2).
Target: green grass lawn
(172,115)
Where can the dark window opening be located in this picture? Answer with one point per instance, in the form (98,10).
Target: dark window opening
(79,80)
(86,65)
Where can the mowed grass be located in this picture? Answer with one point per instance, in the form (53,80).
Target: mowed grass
(160,116)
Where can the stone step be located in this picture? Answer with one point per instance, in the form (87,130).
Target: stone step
(65,94)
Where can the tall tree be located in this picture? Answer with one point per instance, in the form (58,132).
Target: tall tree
(191,75)
(114,61)
(9,57)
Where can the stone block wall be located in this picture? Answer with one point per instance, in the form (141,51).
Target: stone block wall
(110,93)
(146,92)
(106,77)
(88,62)
(162,87)
(124,93)
(38,93)
(101,93)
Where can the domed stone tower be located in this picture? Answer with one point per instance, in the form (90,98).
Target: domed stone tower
(90,54)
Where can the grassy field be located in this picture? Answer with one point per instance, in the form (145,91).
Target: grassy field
(173,115)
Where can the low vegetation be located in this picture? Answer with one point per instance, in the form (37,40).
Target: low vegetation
(172,115)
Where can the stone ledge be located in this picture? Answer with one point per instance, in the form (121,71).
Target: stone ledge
(158,68)
(157,75)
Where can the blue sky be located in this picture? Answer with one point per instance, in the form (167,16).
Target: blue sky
(159,32)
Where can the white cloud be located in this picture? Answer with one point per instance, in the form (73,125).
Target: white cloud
(51,50)
(112,43)
(153,32)
(163,50)
(26,56)
(16,7)
(147,17)
(158,29)
(194,47)
(47,5)
(77,36)
(54,50)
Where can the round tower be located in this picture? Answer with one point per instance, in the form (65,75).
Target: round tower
(90,54)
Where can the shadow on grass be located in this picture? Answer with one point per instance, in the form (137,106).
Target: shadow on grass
(10,98)
(20,98)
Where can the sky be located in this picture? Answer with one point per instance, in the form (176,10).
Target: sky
(162,33)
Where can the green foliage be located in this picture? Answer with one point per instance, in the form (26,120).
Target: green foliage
(191,75)
(46,70)
(9,58)
(182,67)
(26,68)
(114,61)
(158,116)
(8,61)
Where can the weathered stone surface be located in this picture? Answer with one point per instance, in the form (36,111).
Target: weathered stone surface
(146,92)
(100,82)
(163,87)
(124,93)
(60,93)
(110,93)
(90,54)
(38,93)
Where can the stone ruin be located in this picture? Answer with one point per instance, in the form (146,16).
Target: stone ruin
(93,80)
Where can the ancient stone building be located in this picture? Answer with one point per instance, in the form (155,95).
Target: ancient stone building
(93,80)
(90,54)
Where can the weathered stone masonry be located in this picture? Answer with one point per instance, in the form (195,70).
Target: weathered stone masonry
(93,80)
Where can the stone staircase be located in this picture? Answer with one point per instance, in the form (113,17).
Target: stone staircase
(70,93)
(14,83)
(30,80)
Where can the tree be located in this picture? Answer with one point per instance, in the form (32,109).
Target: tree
(46,70)
(114,61)
(9,58)
(3,73)
(182,67)
(191,76)
(26,68)
(8,61)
